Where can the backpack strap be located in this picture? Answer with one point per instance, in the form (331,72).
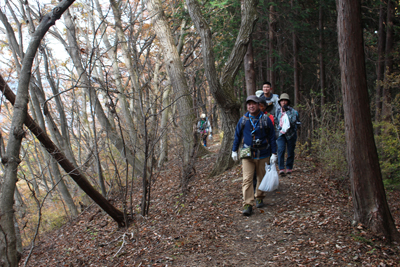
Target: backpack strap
(244,120)
(264,123)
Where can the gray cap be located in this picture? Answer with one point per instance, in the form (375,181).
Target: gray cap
(253,98)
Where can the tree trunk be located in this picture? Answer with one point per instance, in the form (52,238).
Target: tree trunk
(133,75)
(368,193)
(11,160)
(64,138)
(38,116)
(68,167)
(271,45)
(176,73)
(296,72)
(321,54)
(96,152)
(165,113)
(215,113)
(61,140)
(380,70)
(198,93)
(62,187)
(386,93)
(222,89)
(165,125)
(21,209)
(74,51)
(249,72)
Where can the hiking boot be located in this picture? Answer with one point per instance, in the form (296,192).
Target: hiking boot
(289,171)
(259,203)
(282,172)
(247,210)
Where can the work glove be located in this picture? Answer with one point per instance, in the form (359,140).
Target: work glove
(234,155)
(285,108)
(273,159)
(210,136)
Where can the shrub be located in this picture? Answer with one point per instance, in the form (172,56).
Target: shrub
(330,149)
(329,143)
(388,146)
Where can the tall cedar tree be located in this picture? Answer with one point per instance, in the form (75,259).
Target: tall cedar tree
(369,199)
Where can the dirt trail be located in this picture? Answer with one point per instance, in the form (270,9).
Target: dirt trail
(306,222)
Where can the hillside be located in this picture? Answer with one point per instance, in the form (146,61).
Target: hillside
(307,222)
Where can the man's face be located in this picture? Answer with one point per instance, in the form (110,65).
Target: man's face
(252,107)
(267,89)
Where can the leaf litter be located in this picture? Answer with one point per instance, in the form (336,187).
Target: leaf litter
(306,222)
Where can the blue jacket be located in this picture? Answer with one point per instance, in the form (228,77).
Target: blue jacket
(260,133)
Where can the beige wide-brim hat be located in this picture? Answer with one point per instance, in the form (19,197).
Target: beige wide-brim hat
(284,96)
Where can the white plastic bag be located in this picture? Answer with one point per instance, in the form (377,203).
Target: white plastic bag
(286,123)
(270,182)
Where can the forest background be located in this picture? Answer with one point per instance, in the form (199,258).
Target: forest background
(118,88)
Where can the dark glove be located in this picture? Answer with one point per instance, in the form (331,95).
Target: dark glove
(285,108)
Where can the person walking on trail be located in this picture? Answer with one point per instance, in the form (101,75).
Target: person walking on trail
(204,128)
(265,108)
(259,147)
(269,97)
(287,121)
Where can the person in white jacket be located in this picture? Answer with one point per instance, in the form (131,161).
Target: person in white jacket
(204,128)
(287,122)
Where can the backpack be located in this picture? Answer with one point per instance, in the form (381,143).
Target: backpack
(203,126)
(202,123)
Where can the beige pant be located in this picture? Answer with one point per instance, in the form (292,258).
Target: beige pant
(248,167)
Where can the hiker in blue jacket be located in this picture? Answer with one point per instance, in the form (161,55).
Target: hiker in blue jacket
(257,132)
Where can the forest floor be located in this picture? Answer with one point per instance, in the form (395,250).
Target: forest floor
(306,222)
